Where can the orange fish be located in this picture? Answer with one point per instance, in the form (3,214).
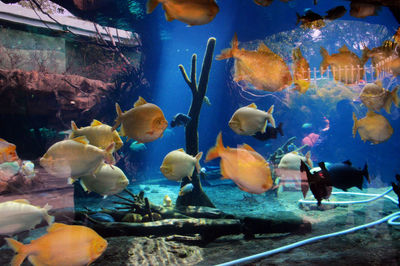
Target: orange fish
(63,245)
(8,152)
(301,71)
(145,122)
(262,67)
(247,168)
(191,12)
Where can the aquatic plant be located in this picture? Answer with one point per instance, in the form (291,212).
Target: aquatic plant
(197,197)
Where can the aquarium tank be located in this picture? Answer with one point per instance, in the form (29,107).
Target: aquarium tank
(199,132)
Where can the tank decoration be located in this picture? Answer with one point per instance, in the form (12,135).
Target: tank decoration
(135,215)
(197,197)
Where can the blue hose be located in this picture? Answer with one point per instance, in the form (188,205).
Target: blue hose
(390,219)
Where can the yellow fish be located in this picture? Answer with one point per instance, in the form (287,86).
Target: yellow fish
(346,67)
(247,168)
(373,127)
(98,134)
(301,71)
(19,215)
(249,120)
(375,97)
(191,12)
(108,180)
(8,151)
(384,58)
(263,68)
(177,164)
(145,122)
(63,245)
(75,157)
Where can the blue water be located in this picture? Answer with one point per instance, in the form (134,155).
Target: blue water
(275,24)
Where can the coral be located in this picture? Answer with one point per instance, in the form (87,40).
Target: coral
(197,197)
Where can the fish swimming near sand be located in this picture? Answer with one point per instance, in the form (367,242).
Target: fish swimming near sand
(73,158)
(98,134)
(145,122)
(178,164)
(244,166)
(8,151)
(373,127)
(71,245)
(264,69)
(19,215)
(191,12)
(180,120)
(249,120)
(270,132)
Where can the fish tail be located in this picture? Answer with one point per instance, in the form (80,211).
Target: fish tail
(20,249)
(151,5)
(228,52)
(118,119)
(198,157)
(355,126)
(108,156)
(365,173)
(215,151)
(74,127)
(308,159)
(270,117)
(49,219)
(395,97)
(280,130)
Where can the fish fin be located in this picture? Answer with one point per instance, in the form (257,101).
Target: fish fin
(70,181)
(55,227)
(252,105)
(74,127)
(81,139)
(395,97)
(20,249)
(35,261)
(181,149)
(263,48)
(246,147)
(140,101)
(347,162)
(365,173)
(82,183)
(355,126)
(387,104)
(198,157)
(271,119)
(264,128)
(118,119)
(215,151)
(95,123)
(151,5)
(308,159)
(49,219)
(228,52)
(108,157)
(344,49)
(24,201)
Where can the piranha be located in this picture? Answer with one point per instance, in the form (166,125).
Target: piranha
(346,67)
(191,12)
(375,97)
(98,134)
(180,120)
(177,164)
(270,133)
(249,120)
(72,245)
(109,180)
(244,166)
(75,157)
(301,71)
(145,122)
(19,215)
(373,127)
(8,151)
(310,20)
(264,69)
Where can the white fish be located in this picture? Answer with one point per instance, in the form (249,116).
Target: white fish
(186,189)
(19,215)
(28,169)
(177,164)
